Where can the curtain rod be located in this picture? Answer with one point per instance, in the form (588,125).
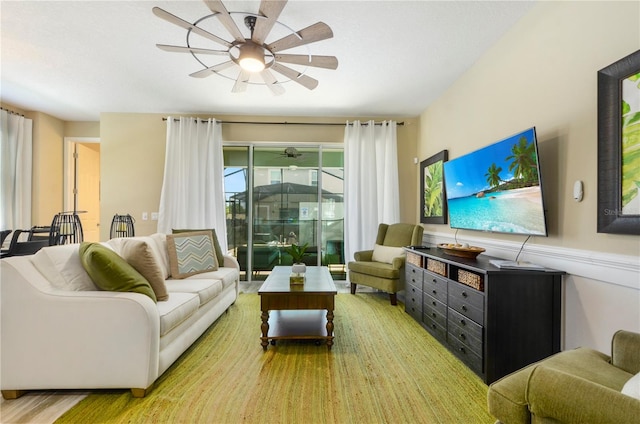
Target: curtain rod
(285,123)
(13,112)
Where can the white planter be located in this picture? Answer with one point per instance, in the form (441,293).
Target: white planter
(298,268)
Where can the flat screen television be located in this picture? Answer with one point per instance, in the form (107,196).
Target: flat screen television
(498,188)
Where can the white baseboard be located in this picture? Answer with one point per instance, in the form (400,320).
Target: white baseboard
(622,270)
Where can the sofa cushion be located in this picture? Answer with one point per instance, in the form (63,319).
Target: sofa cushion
(176,309)
(61,265)
(162,251)
(214,237)
(111,272)
(506,397)
(386,254)
(140,255)
(228,276)
(206,289)
(191,253)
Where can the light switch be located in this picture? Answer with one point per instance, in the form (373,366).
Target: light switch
(145,216)
(154,216)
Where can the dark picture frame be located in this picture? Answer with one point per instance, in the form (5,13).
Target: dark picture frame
(611,218)
(433,203)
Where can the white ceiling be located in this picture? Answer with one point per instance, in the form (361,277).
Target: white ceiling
(76,59)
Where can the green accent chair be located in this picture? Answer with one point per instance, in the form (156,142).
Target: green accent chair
(388,277)
(575,386)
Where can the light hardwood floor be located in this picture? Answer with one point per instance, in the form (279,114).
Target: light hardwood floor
(45,406)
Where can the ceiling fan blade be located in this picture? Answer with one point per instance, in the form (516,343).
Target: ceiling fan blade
(304,80)
(271,10)
(181,49)
(223,15)
(163,14)
(272,82)
(241,82)
(328,62)
(212,69)
(316,32)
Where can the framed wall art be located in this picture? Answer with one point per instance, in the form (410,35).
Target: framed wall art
(433,204)
(619,146)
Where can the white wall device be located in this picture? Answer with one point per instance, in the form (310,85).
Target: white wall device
(577,191)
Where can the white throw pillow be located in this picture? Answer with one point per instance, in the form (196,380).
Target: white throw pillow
(632,387)
(61,265)
(386,253)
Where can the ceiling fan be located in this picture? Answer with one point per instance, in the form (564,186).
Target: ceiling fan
(252,57)
(291,152)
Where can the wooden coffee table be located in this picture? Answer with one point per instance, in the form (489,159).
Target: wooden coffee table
(297,311)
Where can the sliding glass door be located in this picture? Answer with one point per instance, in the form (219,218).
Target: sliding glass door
(283,195)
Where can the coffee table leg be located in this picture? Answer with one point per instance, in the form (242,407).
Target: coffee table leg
(264,340)
(329,328)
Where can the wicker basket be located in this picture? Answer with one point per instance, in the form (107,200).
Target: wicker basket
(437,267)
(414,259)
(470,279)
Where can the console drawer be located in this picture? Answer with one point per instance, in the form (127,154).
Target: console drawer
(469,295)
(434,315)
(464,308)
(430,303)
(413,304)
(435,286)
(413,275)
(465,354)
(466,331)
(435,329)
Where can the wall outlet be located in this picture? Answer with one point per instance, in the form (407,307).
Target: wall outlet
(154,216)
(145,216)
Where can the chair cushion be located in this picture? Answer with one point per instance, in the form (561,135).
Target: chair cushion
(191,253)
(386,254)
(111,272)
(376,269)
(506,397)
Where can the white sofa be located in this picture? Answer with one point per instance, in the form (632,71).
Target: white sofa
(59,331)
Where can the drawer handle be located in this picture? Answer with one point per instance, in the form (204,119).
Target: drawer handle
(413,290)
(433,291)
(464,308)
(433,314)
(462,350)
(463,322)
(463,337)
(464,294)
(433,303)
(433,326)
(413,270)
(412,299)
(435,281)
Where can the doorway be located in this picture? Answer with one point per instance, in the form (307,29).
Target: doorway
(82,183)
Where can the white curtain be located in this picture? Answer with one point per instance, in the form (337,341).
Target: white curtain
(371,182)
(193,185)
(16,144)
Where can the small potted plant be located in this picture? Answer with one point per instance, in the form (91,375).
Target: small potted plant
(298,268)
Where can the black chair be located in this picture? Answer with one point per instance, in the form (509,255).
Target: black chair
(22,248)
(3,236)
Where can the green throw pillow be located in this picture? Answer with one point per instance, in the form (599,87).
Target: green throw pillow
(111,272)
(216,244)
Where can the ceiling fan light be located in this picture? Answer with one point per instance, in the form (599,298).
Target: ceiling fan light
(251,58)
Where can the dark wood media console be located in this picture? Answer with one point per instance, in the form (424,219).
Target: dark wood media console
(495,320)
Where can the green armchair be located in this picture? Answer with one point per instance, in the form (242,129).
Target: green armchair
(575,386)
(383,267)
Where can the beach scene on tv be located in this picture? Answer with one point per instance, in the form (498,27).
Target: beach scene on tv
(497,188)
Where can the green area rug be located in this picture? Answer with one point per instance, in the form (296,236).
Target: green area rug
(383,368)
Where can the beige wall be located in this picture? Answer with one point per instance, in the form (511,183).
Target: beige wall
(133,150)
(543,73)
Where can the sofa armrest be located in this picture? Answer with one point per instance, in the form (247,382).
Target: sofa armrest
(363,256)
(53,339)
(566,398)
(231,262)
(625,351)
